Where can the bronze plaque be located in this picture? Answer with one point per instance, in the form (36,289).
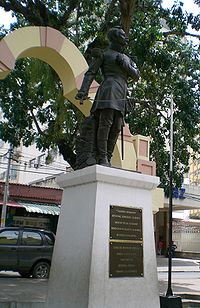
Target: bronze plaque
(126,242)
(126,259)
(125,223)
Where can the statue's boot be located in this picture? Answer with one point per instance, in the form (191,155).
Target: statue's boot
(105,124)
(102,152)
(111,144)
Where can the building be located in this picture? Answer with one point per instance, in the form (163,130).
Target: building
(184,229)
(28,164)
(32,206)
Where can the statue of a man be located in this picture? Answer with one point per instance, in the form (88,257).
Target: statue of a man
(110,101)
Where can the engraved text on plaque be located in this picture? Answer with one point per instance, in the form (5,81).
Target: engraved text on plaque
(126,242)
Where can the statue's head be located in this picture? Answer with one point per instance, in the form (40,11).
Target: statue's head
(117,36)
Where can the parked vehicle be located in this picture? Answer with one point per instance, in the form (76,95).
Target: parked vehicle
(26,250)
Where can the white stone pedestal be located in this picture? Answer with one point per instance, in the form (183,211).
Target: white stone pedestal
(80,269)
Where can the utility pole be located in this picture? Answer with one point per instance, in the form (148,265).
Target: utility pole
(169,290)
(6,188)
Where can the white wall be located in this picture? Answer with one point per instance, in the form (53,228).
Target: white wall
(29,164)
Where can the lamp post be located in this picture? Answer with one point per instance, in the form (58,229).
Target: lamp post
(169,289)
(6,187)
(170,301)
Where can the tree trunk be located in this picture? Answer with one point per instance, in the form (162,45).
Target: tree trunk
(127,8)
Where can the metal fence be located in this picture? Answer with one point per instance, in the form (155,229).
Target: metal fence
(186,235)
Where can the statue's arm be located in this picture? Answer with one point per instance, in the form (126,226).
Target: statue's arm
(134,72)
(89,77)
(129,66)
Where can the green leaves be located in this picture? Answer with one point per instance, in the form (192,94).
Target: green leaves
(34,108)
(169,69)
(31,96)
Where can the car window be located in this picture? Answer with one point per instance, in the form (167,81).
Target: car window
(49,238)
(9,237)
(31,238)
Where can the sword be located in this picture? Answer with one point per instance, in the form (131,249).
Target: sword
(122,143)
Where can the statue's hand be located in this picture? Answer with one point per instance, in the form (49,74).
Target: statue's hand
(81,96)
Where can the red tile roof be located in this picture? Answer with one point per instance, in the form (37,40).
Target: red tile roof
(32,193)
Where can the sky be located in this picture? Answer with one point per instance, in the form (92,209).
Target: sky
(189,6)
(5,18)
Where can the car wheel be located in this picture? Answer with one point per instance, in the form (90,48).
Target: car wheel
(41,270)
(24,274)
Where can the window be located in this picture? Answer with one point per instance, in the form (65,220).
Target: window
(3,175)
(32,163)
(13,172)
(31,238)
(49,239)
(9,237)
(41,160)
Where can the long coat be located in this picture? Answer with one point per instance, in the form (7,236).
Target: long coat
(112,92)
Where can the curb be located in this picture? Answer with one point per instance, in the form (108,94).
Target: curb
(188,296)
(179,269)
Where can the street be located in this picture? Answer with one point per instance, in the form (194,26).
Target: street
(179,275)
(15,288)
(185,280)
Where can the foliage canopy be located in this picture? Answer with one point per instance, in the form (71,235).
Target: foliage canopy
(31,96)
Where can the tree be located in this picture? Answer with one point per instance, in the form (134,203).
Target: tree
(169,68)
(36,111)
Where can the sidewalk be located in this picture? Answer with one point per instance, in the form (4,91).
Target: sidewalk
(185,278)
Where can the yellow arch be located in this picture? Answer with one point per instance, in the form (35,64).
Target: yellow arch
(63,56)
(52,47)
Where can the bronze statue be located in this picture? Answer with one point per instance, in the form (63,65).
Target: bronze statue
(110,102)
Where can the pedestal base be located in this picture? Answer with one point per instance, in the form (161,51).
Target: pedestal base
(81,272)
(170,302)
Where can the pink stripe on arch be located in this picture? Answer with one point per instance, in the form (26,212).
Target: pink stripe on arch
(54,39)
(43,36)
(6,57)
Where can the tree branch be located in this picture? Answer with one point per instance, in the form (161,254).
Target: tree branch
(5,5)
(36,123)
(36,13)
(109,12)
(73,4)
(167,33)
(17,7)
(152,106)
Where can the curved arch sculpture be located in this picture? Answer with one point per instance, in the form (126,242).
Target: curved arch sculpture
(52,47)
